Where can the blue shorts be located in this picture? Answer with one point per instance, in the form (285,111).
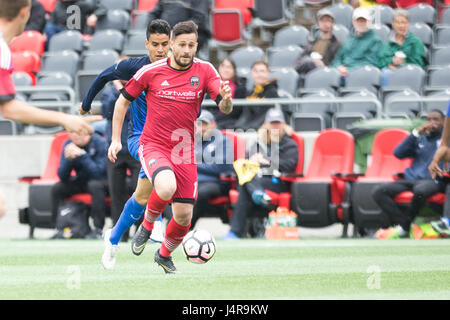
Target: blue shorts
(133,148)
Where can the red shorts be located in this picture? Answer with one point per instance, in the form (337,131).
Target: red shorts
(155,159)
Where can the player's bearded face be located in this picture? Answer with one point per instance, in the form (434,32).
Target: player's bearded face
(184,48)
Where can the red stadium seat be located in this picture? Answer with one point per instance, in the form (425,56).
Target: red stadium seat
(27,61)
(29,41)
(146,5)
(383,168)
(242,5)
(227,27)
(318,197)
(49,5)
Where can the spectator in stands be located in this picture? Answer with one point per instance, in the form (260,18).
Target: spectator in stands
(214,156)
(37,17)
(86,155)
(320,51)
(264,87)
(272,136)
(361,48)
(420,145)
(227,71)
(120,185)
(81,15)
(183,10)
(404,3)
(403,47)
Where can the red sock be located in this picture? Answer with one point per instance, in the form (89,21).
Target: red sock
(174,236)
(155,207)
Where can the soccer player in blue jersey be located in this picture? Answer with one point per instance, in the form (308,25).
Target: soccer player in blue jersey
(157,43)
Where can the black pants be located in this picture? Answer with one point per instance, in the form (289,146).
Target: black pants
(97,189)
(384,196)
(245,205)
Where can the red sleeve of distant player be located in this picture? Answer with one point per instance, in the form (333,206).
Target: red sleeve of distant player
(137,84)
(213,82)
(7,90)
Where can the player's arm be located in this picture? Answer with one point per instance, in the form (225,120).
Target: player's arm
(19,111)
(226,104)
(442,153)
(120,109)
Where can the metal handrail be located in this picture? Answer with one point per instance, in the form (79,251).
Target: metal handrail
(32,89)
(420,99)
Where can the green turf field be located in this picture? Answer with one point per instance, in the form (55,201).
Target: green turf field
(244,269)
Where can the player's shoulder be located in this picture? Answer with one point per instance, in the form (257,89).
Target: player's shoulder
(205,66)
(5,55)
(149,67)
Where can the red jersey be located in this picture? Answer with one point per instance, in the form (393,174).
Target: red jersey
(7,89)
(173,99)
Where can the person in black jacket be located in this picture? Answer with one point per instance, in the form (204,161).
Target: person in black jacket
(86,155)
(276,151)
(320,51)
(37,17)
(264,87)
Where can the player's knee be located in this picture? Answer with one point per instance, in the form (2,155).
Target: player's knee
(165,184)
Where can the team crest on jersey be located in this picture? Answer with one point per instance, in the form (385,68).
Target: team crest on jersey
(152,163)
(195,82)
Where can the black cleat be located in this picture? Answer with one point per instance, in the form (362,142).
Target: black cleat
(139,240)
(165,263)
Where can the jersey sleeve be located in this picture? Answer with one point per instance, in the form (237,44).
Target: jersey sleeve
(7,89)
(448,110)
(139,83)
(213,83)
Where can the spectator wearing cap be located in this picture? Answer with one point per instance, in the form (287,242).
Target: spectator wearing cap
(403,47)
(276,152)
(361,48)
(320,51)
(214,157)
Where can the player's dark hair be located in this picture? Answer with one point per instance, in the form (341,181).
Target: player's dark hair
(438,111)
(184,27)
(158,26)
(10,9)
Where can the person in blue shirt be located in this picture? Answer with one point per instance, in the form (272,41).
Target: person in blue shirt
(420,145)
(157,44)
(86,155)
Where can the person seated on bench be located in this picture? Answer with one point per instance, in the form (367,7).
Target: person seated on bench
(85,154)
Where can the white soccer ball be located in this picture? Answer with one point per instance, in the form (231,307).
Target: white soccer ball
(199,246)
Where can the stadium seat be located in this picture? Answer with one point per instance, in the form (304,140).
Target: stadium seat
(27,61)
(107,39)
(291,36)
(441,105)
(382,14)
(66,60)
(7,127)
(271,13)
(317,197)
(227,27)
(366,77)
(314,116)
(287,79)
(49,5)
(442,35)
(402,109)
(342,14)
(135,43)
(29,41)
(127,5)
(22,78)
(423,13)
(382,31)
(382,168)
(445,17)
(440,56)
(99,60)
(349,112)
(139,20)
(438,78)
(146,5)
(423,32)
(83,81)
(115,19)
(59,78)
(341,32)
(66,40)
(410,77)
(322,78)
(244,57)
(242,5)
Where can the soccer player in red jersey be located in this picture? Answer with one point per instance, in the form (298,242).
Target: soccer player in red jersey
(174,88)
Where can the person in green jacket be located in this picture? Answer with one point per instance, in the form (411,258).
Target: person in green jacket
(362,48)
(402,48)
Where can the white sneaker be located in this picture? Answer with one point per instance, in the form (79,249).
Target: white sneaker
(110,251)
(157,233)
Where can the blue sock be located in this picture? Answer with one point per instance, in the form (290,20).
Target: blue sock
(131,213)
